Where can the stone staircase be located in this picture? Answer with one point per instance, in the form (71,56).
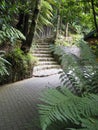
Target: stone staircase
(46,63)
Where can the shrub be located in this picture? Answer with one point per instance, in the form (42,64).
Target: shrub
(73,106)
(62,110)
(21,65)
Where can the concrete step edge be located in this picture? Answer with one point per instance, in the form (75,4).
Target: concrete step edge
(46,67)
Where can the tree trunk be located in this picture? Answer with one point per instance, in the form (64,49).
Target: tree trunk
(61,25)
(58,26)
(29,39)
(58,22)
(94,14)
(21,20)
(26,25)
(66,30)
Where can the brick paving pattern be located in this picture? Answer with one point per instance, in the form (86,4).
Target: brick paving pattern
(18,103)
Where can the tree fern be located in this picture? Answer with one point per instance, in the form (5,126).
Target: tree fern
(79,73)
(9,33)
(45,16)
(75,108)
(90,124)
(62,105)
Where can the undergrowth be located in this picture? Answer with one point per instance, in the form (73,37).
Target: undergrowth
(72,106)
(21,66)
(3,62)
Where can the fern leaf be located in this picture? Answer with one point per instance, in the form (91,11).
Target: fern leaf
(63,106)
(11,33)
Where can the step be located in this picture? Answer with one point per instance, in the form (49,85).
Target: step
(42,46)
(42,49)
(42,52)
(42,43)
(45,59)
(48,63)
(42,55)
(42,67)
(46,72)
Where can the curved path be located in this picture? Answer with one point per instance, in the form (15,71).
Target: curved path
(18,103)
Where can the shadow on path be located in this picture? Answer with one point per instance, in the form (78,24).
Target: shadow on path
(18,103)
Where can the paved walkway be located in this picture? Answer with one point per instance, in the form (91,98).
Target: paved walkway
(18,103)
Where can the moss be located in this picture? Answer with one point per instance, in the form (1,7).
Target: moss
(21,66)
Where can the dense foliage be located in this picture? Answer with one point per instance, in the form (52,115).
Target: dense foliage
(64,110)
(19,20)
(21,66)
(79,16)
(10,34)
(12,37)
(69,106)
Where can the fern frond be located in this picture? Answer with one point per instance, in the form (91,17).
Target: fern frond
(64,106)
(3,68)
(87,57)
(3,62)
(80,73)
(55,102)
(45,15)
(10,33)
(88,124)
